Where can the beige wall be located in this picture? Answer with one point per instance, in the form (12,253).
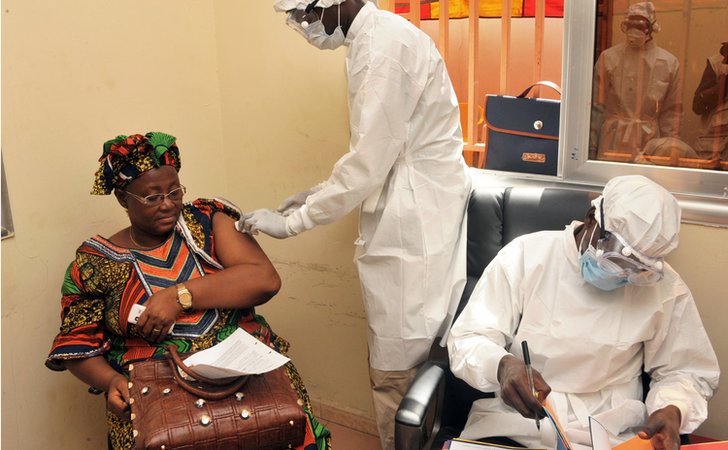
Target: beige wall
(701,260)
(259,115)
(79,73)
(75,74)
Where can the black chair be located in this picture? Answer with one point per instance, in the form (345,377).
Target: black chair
(437,403)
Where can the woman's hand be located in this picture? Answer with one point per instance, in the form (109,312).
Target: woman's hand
(160,314)
(117,397)
(97,372)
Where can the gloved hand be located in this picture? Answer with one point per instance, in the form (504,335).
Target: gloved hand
(295,201)
(515,390)
(265,220)
(663,428)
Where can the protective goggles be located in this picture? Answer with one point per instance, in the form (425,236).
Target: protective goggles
(640,23)
(300,19)
(618,258)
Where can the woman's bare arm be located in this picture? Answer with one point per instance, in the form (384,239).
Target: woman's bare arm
(248,279)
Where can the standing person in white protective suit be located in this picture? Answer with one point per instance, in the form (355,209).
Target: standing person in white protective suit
(597,304)
(405,170)
(635,97)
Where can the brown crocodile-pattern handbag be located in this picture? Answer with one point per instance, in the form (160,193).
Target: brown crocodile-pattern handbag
(170,411)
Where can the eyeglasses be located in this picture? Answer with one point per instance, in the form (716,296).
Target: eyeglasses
(639,23)
(157,199)
(618,258)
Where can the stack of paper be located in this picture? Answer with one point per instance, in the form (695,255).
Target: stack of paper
(464,444)
(239,354)
(599,438)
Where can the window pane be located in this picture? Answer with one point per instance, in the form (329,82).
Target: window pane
(660,90)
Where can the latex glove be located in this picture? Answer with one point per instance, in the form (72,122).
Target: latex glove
(663,428)
(295,201)
(515,391)
(265,220)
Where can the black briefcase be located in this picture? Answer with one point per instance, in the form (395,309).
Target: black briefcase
(522,134)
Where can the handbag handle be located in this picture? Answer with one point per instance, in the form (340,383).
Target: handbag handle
(221,387)
(550,84)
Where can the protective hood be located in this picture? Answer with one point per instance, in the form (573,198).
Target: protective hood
(646,10)
(644,213)
(287,5)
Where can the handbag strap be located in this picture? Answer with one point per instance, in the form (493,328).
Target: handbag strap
(224,385)
(174,356)
(207,394)
(546,83)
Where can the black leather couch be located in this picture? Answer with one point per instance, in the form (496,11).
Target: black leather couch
(437,401)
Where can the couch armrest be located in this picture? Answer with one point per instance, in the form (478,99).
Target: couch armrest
(418,416)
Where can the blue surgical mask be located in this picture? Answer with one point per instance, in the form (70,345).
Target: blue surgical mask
(595,275)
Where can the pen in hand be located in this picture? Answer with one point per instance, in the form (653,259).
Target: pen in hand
(529,373)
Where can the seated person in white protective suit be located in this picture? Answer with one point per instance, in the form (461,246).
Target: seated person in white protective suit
(597,305)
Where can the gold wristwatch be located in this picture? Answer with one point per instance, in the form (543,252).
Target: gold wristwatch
(184,297)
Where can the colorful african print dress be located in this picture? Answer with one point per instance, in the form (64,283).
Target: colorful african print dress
(104,281)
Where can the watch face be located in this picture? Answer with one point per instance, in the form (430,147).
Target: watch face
(184,297)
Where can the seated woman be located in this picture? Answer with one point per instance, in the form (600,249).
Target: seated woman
(171,251)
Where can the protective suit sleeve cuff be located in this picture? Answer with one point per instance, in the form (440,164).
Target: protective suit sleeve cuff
(299,221)
(692,415)
(319,186)
(686,426)
(491,365)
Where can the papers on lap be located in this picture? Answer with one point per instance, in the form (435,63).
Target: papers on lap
(599,438)
(463,444)
(239,354)
(600,441)
(562,440)
(718,445)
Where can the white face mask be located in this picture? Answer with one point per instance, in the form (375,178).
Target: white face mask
(316,34)
(636,38)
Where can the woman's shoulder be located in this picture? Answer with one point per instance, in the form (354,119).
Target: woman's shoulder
(99,246)
(195,223)
(202,209)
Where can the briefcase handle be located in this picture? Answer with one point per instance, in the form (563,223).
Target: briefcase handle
(218,388)
(546,83)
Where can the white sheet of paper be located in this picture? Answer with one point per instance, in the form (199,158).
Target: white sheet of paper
(460,445)
(456,444)
(239,354)
(599,435)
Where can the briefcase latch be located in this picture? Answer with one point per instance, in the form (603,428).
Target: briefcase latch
(533,157)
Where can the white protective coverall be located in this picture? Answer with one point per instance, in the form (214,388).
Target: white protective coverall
(589,345)
(636,98)
(405,168)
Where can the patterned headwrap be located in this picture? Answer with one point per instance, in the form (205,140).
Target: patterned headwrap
(127,157)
